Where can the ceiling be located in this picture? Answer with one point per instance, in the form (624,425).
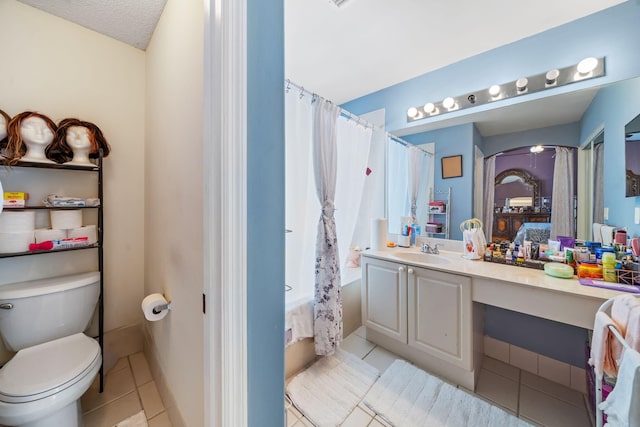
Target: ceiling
(347,51)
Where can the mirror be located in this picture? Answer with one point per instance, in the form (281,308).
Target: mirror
(516,190)
(632,157)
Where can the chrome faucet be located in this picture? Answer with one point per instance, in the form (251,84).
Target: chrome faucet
(427,249)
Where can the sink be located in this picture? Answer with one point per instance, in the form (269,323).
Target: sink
(422,257)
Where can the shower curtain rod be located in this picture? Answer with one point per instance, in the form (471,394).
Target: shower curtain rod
(359,120)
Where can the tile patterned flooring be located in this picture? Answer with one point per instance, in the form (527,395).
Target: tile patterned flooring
(129,388)
(532,398)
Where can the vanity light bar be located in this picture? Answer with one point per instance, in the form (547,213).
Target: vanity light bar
(586,69)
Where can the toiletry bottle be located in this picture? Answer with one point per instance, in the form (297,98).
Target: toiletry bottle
(609,267)
(520,257)
(509,257)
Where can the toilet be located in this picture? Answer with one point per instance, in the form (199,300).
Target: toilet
(55,362)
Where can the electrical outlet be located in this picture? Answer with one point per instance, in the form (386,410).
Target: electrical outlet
(636,216)
(606,214)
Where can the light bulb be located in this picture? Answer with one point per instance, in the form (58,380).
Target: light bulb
(521,84)
(412,112)
(537,149)
(494,90)
(448,103)
(429,107)
(587,65)
(552,76)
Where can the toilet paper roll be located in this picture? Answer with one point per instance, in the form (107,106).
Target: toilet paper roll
(13,222)
(66,220)
(378,234)
(88,231)
(15,242)
(151,302)
(44,234)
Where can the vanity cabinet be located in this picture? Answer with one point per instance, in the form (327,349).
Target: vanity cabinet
(426,310)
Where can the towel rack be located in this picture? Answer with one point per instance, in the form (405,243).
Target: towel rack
(605,306)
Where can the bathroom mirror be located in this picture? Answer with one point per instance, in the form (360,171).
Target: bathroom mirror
(632,157)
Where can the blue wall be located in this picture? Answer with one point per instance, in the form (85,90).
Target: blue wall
(615,106)
(265,194)
(614,34)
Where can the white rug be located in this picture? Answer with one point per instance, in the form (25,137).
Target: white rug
(328,390)
(137,420)
(406,396)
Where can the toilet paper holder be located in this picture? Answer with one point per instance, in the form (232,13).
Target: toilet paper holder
(162,307)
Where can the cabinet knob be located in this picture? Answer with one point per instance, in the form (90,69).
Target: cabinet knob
(401,268)
(410,271)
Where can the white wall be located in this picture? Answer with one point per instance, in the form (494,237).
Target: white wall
(173,200)
(64,70)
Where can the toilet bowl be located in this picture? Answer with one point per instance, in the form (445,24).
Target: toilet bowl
(41,385)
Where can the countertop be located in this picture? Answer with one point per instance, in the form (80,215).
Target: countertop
(519,276)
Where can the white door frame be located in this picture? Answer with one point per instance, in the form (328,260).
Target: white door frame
(225,207)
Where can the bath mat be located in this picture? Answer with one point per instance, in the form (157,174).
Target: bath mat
(406,396)
(137,420)
(328,390)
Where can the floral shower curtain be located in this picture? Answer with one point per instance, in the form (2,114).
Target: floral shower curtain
(489,187)
(328,292)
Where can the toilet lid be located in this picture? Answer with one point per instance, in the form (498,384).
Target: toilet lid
(44,369)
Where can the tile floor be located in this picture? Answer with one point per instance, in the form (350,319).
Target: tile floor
(129,388)
(532,398)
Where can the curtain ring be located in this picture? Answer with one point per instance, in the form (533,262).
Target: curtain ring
(288,88)
(301,92)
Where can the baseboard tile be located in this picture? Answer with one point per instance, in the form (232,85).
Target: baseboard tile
(574,377)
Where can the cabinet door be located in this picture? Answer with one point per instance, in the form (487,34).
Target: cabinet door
(439,309)
(384,297)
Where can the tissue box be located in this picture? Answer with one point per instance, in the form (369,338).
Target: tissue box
(433,227)
(437,207)
(14,199)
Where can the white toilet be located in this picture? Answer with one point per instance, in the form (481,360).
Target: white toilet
(43,320)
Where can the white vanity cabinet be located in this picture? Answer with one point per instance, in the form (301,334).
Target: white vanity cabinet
(439,315)
(384,297)
(426,313)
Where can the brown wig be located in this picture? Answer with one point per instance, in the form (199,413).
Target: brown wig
(3,142)
(15,147)
(60,152)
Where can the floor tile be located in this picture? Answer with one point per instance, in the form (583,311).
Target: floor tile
(116,385)
(377,423)
(357,345)
(498,389)
(116,411)
(550,412)
(151,401)
(366,409)
(380,358)
(122,363)
(140,368)
(357,418)
(160,420)
(553,389)
(501,368)
(291,418)
(361,332)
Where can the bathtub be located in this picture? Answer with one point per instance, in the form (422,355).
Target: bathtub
(300,351)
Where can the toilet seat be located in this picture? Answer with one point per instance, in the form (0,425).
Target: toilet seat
(45,369)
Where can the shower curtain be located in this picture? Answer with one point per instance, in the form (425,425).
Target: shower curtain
(489,193)
(562,206)
(328,290)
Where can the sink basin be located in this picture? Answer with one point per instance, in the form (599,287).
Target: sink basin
(421,257)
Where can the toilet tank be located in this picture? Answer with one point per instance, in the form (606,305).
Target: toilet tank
(42,310)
